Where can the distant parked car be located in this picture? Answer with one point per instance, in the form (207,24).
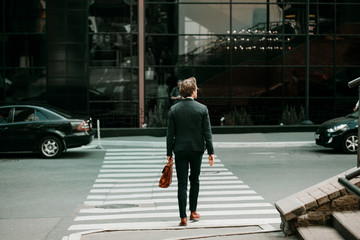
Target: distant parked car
(339,133)
(46,130)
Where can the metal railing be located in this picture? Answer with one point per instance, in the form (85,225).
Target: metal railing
(348,185)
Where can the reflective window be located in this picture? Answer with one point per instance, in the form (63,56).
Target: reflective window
(4,115)
(199,18)
(25,84)
(24,115)
(40,116)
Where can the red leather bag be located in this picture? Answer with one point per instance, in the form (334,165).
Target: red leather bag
(166,177)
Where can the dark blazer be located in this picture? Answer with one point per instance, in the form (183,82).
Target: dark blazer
(189,128)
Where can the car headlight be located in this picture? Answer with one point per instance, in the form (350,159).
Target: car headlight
(341,127)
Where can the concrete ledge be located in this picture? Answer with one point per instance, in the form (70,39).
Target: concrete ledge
(313,233)
(314,205)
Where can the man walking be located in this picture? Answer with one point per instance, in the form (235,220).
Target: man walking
(188,135)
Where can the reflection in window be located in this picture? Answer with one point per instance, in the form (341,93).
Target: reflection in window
(24,115)
(111,28)
(4,115)
(25,84)
(199,18)
(111,84)
(40,116)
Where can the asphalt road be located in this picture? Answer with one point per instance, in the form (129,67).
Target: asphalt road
(40,198)
(279,172)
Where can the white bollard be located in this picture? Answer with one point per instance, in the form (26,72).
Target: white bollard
(98,134)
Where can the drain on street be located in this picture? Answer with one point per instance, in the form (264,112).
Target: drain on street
(116,206)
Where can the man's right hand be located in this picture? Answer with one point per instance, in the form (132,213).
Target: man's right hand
(211,159)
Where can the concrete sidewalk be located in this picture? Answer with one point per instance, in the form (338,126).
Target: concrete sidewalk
(239,140)
(235,233)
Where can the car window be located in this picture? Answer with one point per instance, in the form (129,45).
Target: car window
(4,115)
(24,115)
(40,116)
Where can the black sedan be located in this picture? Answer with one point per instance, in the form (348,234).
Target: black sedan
(339,133)
(46,130)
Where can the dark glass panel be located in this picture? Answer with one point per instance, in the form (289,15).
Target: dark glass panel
(25,84)
(199,18)
(56,17)
(161,50)
(347,14)
(114,84)
(321,50)
(57,68)
(112,49)
(76,34)
(161,18)
(248,82)
(24,15)
(25,51)
(213,82)
(294,50)
(76,4)
(347,50)
(57,33)
(321,82)
(76,18)
(249,16)
(76,69)
(75,52)
(204,50)
(110,16)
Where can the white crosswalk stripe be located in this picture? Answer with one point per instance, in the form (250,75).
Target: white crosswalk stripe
(126,195)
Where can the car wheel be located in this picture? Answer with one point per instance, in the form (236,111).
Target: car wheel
(350,143)
(50,147)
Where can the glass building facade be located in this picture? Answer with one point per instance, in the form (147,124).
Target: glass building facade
(257,62)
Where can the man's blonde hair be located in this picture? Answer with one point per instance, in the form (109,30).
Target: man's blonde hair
(187,87)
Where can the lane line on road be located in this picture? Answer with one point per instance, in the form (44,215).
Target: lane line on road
(175,207)
(174,200)
(174,214)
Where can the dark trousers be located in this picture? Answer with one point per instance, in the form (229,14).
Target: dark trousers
(182,162)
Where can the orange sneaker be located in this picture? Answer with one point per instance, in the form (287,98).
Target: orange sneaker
(194,216)
(183,222)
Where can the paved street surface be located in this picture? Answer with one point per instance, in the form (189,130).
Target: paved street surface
(108,190)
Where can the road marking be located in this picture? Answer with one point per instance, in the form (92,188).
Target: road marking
(159,170)
(175,207)
(174,200)
(174,214)
(119,175)
(155,179)
(126,191)
(147,166)
(157,189)
(168,194)
(150,184)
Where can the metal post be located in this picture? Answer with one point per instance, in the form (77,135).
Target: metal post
(358,150)
(98,134)
(307,63)
(351,84)
(141,53)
